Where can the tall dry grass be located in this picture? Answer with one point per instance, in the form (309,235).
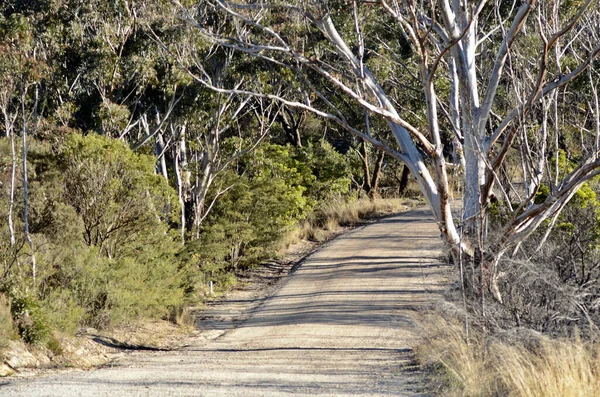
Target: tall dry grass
(331,217)
(557,368)
(7,329)
(486,366)
(460,366)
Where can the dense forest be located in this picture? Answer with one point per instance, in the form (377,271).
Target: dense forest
(150,146)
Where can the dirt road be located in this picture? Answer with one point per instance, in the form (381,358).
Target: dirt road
(340,325)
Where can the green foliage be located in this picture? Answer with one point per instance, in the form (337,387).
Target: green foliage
(258,207)
(128,197)
(266,194)
(105,255)
(30,317)
(330,169)
(103,291)
(542,193)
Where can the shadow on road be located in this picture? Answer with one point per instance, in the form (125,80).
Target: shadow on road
(114,343)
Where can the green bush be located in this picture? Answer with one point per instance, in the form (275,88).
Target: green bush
(30,318)
(104,252)
(115,191)
(330,169)
(262,202)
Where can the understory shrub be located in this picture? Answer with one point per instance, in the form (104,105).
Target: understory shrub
(266,195)
(552,283)
(30,318)
(103,249)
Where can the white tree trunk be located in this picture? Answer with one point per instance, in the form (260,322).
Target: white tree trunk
(177,161)
(159,150)
(24,120)
(13,169)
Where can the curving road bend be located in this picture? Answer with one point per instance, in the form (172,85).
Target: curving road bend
(340,325)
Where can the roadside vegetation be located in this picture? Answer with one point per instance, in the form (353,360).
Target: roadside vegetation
(106,248)
(518,362)
(149,149)
(126,188)
(542,339)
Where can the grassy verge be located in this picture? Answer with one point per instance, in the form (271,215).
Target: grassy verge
(515,364)
(329,218)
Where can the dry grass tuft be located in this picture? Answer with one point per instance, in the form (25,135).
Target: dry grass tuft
(484,366)
(7,329)
(330,217)
(558,368)
(460,365)
(183,318)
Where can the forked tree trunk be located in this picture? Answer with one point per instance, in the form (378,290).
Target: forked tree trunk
(371,180)
(374,192)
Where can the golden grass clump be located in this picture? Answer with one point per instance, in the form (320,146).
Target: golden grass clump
(459,365)
(330,217)
(7,329)
(557,368)
(486,366)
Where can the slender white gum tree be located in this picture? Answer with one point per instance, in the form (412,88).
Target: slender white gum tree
(10,117)
(496,89)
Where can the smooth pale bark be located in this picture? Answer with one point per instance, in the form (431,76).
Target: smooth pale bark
(11,201)
(179,164)
(457,149)
(159,151)
(451,34)
(594,88)
(204,181)
(24,121)
(463,74)
(9,125)
(415,163)
(9,120)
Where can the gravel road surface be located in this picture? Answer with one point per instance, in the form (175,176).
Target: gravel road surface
(340,325)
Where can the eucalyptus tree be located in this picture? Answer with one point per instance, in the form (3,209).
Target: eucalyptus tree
(9,114)
(207,142)
(485,70)
(21,70)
